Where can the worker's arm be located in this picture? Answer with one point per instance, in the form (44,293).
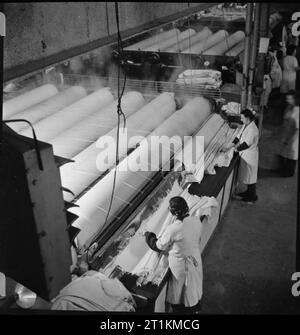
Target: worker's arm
(234,144)
(204,218)
(242,147)
(151,240)
(160,244)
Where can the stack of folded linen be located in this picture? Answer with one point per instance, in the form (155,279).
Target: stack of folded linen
(207,78)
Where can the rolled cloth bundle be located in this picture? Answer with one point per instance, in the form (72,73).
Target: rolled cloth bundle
(162,46)
(209,78)
(188,42)
(74,140)
(94,204)
(48,107)
(207,43)
(237,49)
(53,125)
(153,40)
(28,99)
(220,48)
(201,74)
(88,167)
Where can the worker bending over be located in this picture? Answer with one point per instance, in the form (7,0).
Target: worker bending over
(181,240)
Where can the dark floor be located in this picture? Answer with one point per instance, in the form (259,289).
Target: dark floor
(249,263)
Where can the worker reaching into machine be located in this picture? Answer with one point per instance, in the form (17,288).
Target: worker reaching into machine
(246,144)
(181,240)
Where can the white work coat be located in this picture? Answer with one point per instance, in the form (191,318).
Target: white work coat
(289,74)
(182,240)
(249,158)
(289,148)
(276,73)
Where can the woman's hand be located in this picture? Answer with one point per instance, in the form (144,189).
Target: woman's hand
(225,149)
(164,252)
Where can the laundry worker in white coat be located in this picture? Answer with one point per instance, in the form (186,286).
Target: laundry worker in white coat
(290,68)
(181,240)
(289,137)
(246,144)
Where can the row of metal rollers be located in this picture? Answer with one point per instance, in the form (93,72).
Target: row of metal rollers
(73,121)
(190,42)
(203,42)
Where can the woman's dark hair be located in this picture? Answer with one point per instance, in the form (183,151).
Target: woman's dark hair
(248,114)
(273,47)
(290,49)
(178,207)
(279,54)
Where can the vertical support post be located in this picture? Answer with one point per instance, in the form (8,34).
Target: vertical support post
(253,52)
(261,57)
(246,54)
(263,32)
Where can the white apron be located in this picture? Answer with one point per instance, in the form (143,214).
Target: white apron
(276,73)
(182,239)
(289,74)
(268,89)
(249,158)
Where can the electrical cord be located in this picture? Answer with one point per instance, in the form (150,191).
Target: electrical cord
(36,145)
(120,115)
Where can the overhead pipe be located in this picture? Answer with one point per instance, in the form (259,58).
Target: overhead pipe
(246,54)
(253,52)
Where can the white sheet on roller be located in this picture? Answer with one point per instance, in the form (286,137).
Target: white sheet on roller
(207,43)
(48,107)
(87,167)
(153,40)
(28,99)
(55,124)
(237,49)
(205,136)
(74,140)
(222,159)
(94,204)
(220,48)
(162,46)
(188,42)
(137,257)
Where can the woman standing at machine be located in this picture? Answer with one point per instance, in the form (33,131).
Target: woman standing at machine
(289,137)
(181,240)
(246,145)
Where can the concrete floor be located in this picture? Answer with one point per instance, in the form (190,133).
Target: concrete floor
(250,260)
